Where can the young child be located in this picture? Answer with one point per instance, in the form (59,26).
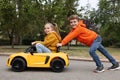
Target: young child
(91,39)
(51,39)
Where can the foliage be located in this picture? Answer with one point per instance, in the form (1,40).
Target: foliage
(21,19)
(109,18)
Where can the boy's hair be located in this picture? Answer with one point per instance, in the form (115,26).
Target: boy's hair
(73,17)
(89,23)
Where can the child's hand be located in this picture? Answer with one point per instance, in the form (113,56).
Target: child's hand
(33,43)
(59,44)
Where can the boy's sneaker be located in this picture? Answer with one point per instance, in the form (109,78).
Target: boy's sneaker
(99,69)
(114,67)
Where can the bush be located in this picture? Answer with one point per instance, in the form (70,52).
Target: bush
(27,41)
(4,42)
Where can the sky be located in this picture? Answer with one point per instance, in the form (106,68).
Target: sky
(93,3)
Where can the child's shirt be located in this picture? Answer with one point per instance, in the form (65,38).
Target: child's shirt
(51,40)
(82,34)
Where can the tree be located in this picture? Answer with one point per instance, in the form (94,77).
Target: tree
(21,19)
(108,16)
(7,18)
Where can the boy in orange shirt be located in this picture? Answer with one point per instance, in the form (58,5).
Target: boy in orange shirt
(91,39)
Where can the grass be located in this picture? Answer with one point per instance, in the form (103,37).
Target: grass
(8,49)
(81,52)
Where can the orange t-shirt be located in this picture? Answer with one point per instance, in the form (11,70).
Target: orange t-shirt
(82,34)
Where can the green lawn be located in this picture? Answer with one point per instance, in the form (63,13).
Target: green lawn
(81,52)
(8,49)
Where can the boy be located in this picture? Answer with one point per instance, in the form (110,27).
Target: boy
(91,39)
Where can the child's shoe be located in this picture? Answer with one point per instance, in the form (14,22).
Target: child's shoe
(114,67)
(99,69)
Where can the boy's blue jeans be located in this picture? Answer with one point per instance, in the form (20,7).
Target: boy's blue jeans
(42,49)
(96,45)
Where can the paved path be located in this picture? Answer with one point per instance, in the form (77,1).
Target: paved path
(77,70)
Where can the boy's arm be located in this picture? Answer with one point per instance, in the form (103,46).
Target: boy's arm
(73,34)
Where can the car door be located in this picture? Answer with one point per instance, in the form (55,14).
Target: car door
(37,59)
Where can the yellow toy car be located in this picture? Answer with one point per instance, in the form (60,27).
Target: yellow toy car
(20,61)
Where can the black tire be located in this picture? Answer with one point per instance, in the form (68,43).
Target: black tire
(57,65)
(18,65)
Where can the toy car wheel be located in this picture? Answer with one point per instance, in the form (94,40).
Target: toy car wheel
(18,65)
(57,65)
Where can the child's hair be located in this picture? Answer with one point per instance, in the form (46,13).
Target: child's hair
(54,27)
(73,17)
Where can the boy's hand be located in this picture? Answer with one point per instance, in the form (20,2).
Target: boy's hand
(59,44)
